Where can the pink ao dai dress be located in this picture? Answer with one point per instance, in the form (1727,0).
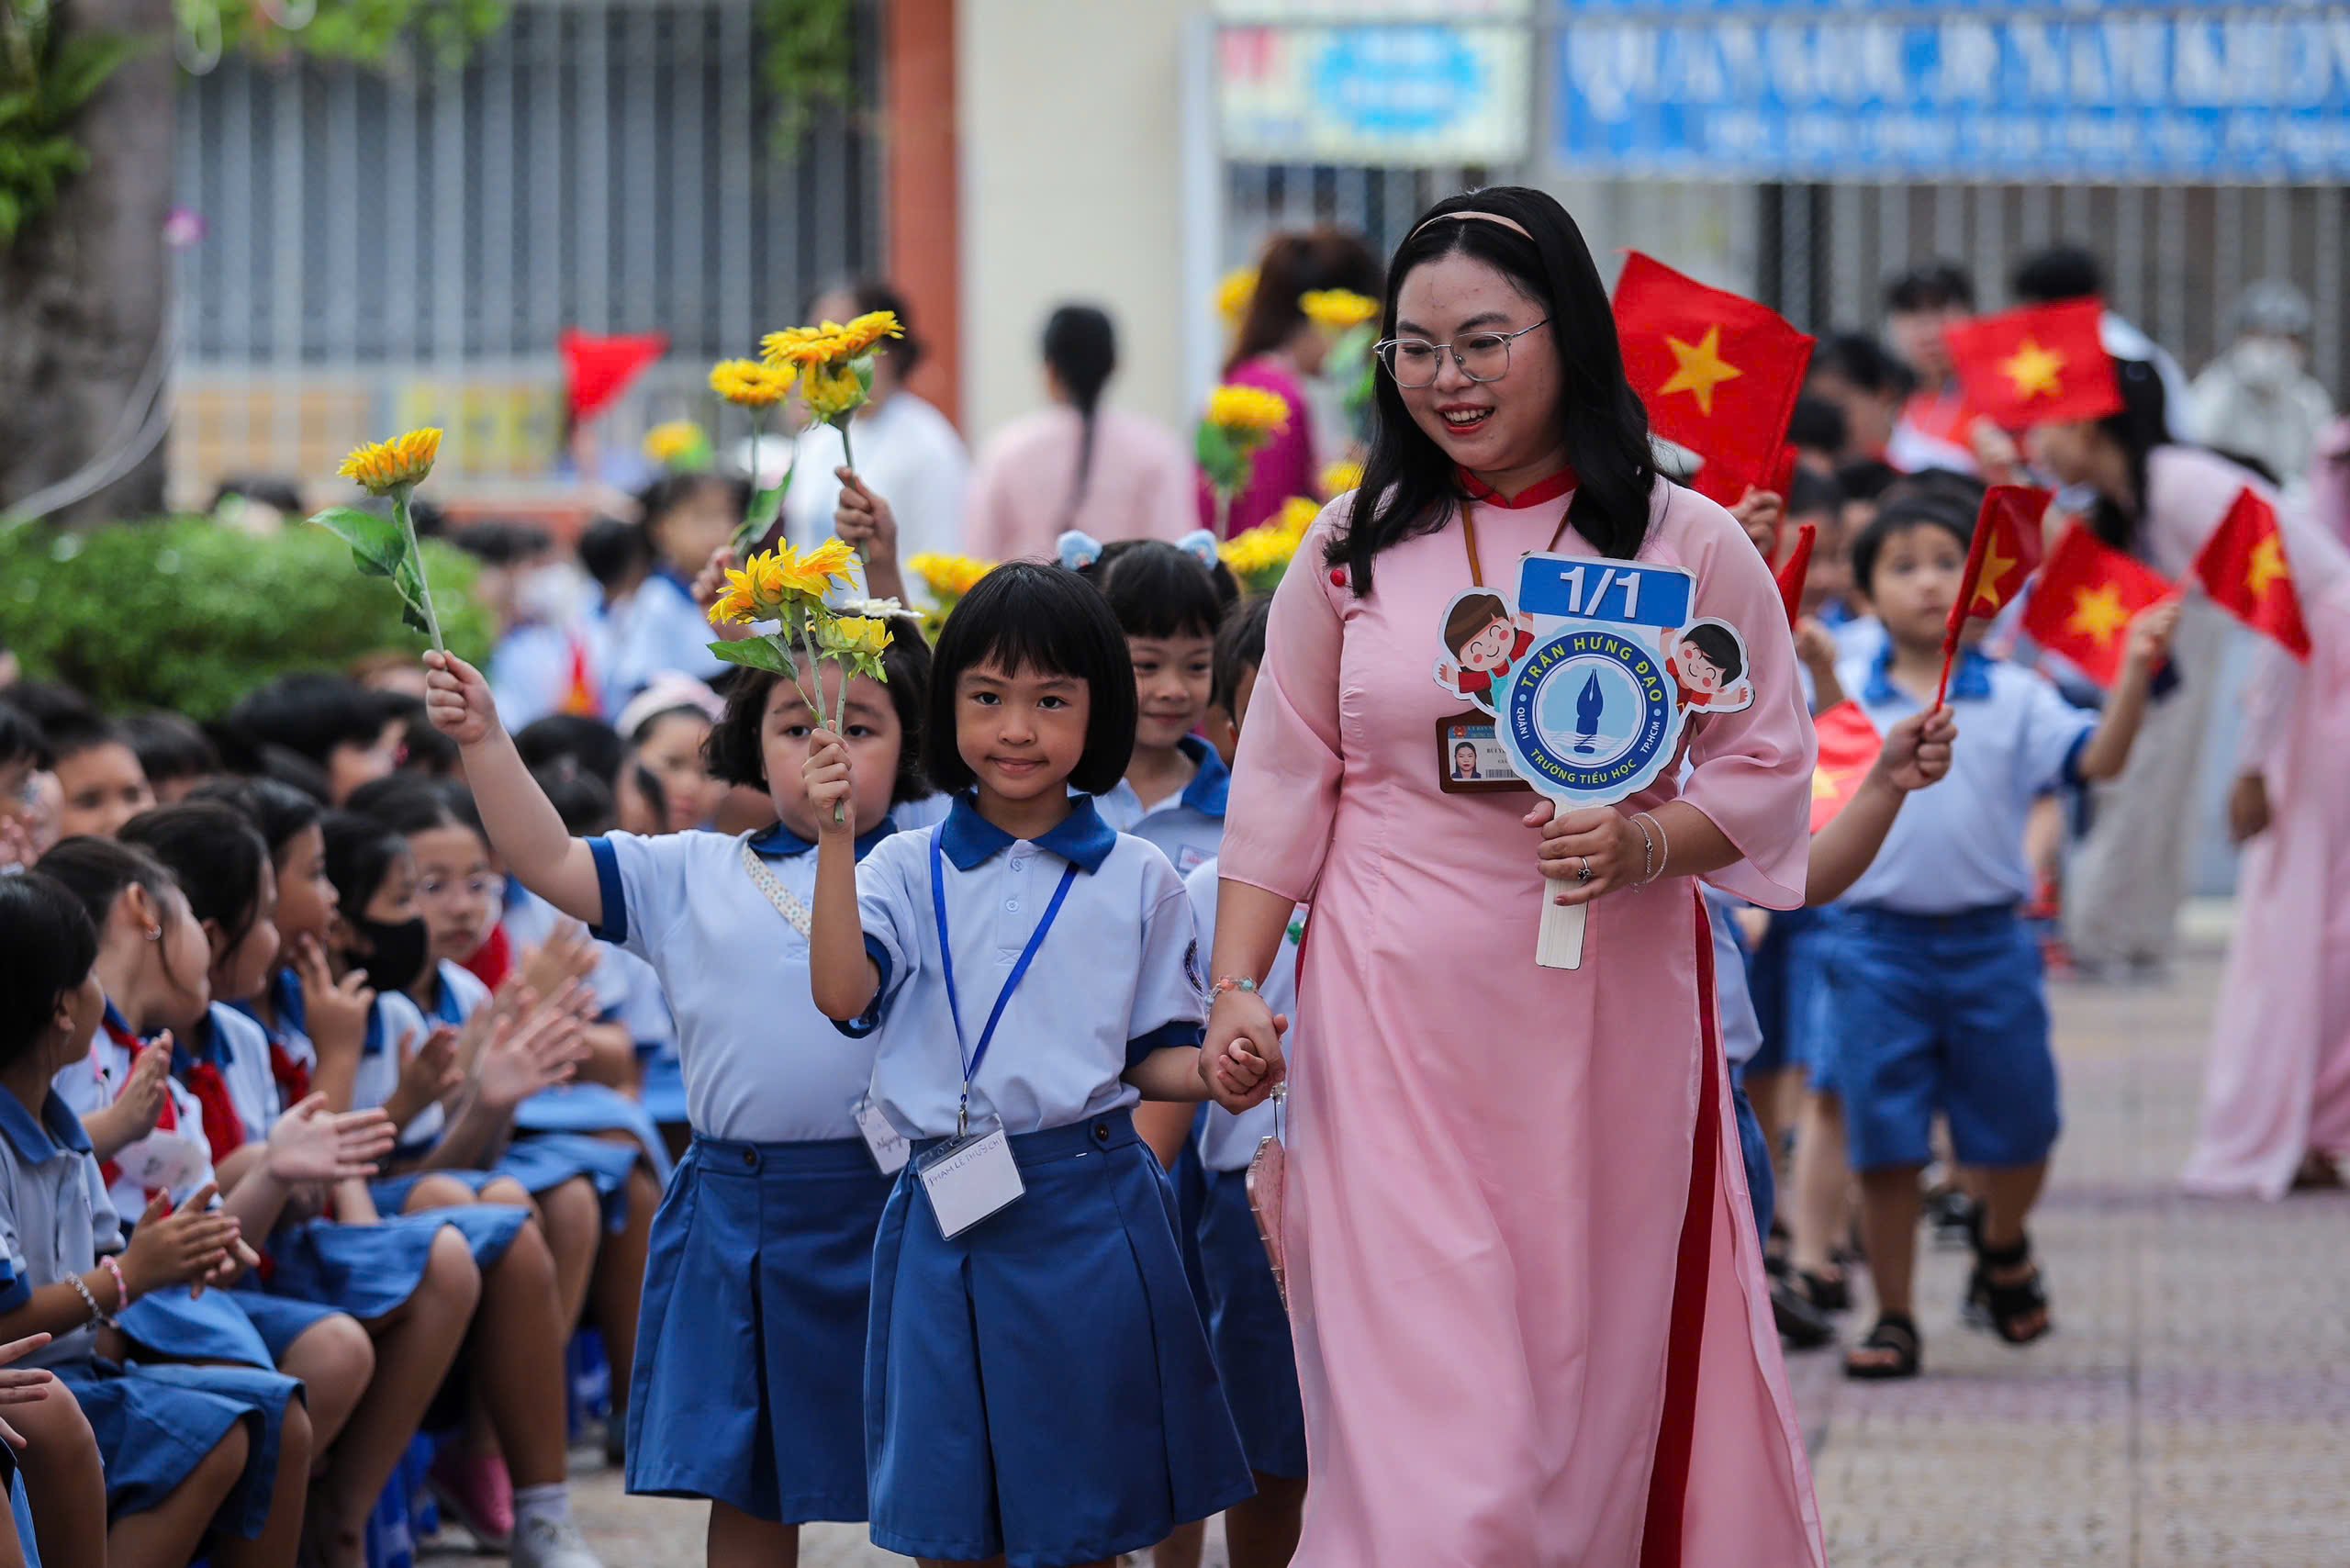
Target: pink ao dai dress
(1532,1318)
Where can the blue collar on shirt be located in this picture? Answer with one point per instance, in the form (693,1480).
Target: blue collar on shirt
(35,1141)
(1211,787)
(209,1045)
(446,1008)
(1970,682)
(671,573)
(1083,838)
(780,843)
(287,986)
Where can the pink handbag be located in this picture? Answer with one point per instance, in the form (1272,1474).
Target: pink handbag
(1267,1170)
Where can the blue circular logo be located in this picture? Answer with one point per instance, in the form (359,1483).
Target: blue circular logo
(1590,713)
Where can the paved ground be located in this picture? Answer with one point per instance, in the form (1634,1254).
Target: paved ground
(2192,1411)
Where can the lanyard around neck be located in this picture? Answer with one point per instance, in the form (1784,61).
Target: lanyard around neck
(969,1059)
(1468,539)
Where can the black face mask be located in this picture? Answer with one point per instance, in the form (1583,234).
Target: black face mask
(396,954)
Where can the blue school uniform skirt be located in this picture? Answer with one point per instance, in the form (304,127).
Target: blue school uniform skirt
(368,1270)
(155,1423)
(593,1108)
(20,1509)
(538,1166)
(1040,1386)
(1248,1330)
(241,1327)
(749,1385)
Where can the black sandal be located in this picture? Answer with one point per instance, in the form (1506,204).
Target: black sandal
(1895,1334)
(1825,1293)
(2000,1306)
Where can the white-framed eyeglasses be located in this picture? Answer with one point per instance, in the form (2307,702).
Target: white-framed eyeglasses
(1481,356)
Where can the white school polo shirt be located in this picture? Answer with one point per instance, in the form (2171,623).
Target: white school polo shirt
(93,1082)
(761,1065)
(1188,828)
(1958,844)
(240,1045)
(55,1218)
(1117,977)
(1228,1142)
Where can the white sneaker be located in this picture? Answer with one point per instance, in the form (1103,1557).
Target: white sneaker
(544,1543)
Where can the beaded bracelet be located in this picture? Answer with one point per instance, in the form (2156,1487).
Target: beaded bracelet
(97,1313)
(121,1285)
(1232,982)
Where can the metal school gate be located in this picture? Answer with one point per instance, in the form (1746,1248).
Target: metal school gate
(382,249)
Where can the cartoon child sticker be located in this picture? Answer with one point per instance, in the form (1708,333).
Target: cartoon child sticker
(1485,640)
(1709,665)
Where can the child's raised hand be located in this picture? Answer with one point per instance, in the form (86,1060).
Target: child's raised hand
(864,520)
(2151,631)
(565,955)
(431,1070)
(311,1143)
(147,1090)
(334,1012)
(710,581)
(539,1052)
(1916,752)
(457,700)
(183,1248)
(1816,646)
(826,775)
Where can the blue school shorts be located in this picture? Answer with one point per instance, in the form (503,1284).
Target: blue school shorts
(1248,1330)
(1040,1386)
(1787,977)
(242,1327)
(155,1423)
(749,1384)
(1948,1014)
(369,1270)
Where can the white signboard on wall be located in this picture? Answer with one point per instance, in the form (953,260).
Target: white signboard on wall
(1390,95)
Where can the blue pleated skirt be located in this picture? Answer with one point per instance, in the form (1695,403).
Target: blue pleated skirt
(1248,1330)
(155,1423)
(749,1385)
(1040,1386)
(368,1270)
(241,1327)
(593,1108)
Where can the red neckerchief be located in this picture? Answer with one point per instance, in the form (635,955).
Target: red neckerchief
(292,1074)
(494,960)
(224,1130)
(1550,489)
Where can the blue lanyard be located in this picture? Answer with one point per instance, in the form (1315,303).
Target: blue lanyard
(969,1059)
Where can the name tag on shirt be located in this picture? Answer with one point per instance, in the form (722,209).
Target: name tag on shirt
(967,1179)
(884,1142)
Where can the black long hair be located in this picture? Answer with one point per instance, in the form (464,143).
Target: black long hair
(1022,616)
(1292,266)
(1409,487)
(2140,425)
(1082,347)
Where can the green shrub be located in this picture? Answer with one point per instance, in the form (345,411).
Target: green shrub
(188,615)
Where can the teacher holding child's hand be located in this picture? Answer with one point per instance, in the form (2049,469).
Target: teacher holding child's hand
(1531,1319)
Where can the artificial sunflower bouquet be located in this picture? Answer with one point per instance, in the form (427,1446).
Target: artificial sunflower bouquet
(1351,321)
(1258,556)
(789,587)
(946,578)
(755,388)
(386,547)
(1239,422)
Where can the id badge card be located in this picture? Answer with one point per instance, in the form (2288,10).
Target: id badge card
(1470,758)
(884,1142)
(968,1178)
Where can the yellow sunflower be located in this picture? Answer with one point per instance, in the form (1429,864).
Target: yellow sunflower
(747,384)
(678,442)
(383,465)
(1232,295)
(831,389)
(805,346)
(948,576)
(1247,414)
(1337,309)
(814,572)
(1337,478)
(864,634)
(864,334)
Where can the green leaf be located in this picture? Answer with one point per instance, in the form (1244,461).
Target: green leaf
(377,546)
(754,653)
(765,506)
(1225,464)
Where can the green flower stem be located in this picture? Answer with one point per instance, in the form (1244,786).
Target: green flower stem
(416,553)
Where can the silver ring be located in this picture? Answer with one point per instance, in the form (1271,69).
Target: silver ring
(1583,868)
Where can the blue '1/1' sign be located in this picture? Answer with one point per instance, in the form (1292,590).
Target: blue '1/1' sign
(1620,592)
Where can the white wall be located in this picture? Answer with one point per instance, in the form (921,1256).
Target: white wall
(1070,117)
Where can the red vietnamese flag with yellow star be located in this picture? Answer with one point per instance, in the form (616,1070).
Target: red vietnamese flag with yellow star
(2243,569)
(2042,365)
(1849,744)
(1719,374)
(2088,595)
(2007,547)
